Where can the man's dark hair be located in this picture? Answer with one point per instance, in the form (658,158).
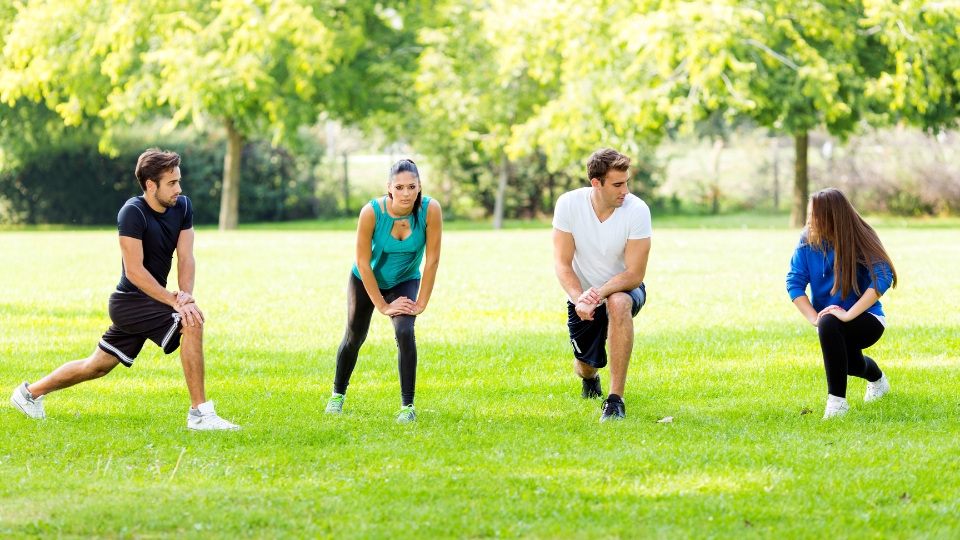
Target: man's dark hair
(153,164)
(604,159)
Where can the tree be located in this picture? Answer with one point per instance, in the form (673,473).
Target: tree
(471,92)
(631,69)
(924,39)
(252,66)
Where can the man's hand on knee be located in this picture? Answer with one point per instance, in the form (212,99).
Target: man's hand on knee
(190,314)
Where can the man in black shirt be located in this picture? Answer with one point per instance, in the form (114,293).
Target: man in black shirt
(151,228)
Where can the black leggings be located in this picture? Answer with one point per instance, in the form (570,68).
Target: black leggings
(359,311)
(842,344)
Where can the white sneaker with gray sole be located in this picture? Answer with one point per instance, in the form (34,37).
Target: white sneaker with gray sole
(204,418)
(28,405)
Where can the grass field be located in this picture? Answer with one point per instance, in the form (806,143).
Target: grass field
(503,445)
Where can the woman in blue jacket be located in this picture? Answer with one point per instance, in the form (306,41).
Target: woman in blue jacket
(842,260)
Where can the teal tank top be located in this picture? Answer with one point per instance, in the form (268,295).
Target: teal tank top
(395,261)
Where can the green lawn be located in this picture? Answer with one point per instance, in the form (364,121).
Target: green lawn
(503,445)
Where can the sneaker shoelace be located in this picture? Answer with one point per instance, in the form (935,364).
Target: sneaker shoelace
(610,408)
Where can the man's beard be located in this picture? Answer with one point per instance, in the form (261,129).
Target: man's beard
(163,203)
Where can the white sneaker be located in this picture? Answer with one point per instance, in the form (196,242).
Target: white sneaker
(204,418)
(28,405)
(876,390)
(836,406)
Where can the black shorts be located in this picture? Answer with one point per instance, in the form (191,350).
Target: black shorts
(136,318)
(589,338)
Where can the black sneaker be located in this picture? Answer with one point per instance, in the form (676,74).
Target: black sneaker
(613,410)
(591,388)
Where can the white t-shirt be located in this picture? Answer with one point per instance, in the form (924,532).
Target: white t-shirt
(600,246)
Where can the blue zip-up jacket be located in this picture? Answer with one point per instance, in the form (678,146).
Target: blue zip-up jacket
(811,267)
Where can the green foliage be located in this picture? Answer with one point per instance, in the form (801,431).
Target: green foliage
(503,443)
(79,185)
(255,63)
(924,38)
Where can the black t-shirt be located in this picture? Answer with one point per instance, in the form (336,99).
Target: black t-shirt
(159,233)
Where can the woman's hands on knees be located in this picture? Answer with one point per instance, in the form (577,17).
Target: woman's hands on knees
(400,306)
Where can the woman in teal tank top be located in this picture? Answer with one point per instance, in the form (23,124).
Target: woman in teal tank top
(396,233)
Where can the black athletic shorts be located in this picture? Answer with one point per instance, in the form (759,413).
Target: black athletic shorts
(589,338)
(136,318)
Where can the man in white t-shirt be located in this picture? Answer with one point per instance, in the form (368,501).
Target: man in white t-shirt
(601,242)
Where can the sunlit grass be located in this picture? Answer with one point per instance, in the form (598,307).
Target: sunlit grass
(503,444)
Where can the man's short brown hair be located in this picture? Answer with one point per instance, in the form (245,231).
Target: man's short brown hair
(153,164)
(604,159)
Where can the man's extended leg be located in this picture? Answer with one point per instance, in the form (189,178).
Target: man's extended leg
(620,339)
(191,356)
(97,365)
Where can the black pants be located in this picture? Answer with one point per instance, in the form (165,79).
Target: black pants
(842,344)
(359,312)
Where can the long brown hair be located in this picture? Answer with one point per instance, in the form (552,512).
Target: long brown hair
(833,220)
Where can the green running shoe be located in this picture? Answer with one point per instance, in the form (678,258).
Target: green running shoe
(335,403)
(406,414)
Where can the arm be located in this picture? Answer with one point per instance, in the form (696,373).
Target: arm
(186,275)
(132,251)
(186,264)
(434,230)
(365,227)
(635,257)
(806,309)
(563,250)
(797,280)
(869,298)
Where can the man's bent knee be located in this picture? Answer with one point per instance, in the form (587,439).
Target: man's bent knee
(620,305)
(584,370)
(195,330)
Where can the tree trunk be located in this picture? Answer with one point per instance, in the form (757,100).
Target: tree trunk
(501,190)
(798,212)
(715,188)
(230,197)
(776,174)
(346,186)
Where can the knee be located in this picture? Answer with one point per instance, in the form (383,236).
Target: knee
(828,324)
(619,306)
(584,370)
(95,367)
(195,330)
(404,331)
(354,339)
